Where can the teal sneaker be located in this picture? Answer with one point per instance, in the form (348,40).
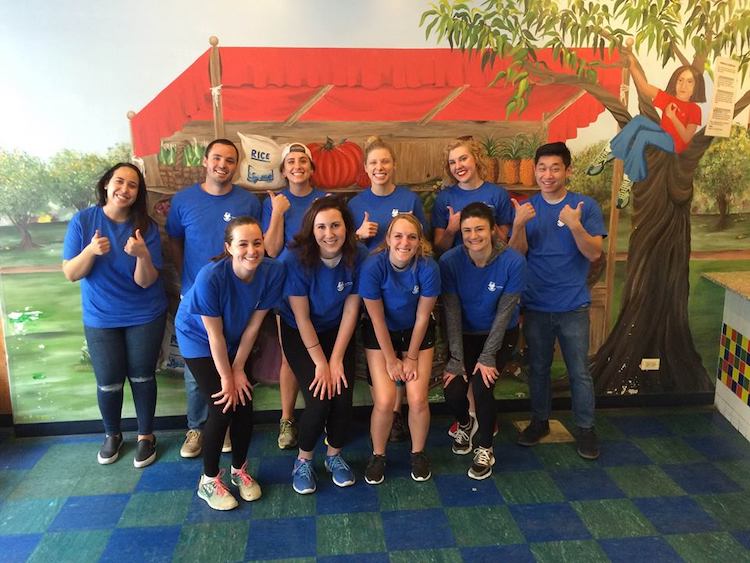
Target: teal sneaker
(215,493)
(341,473)
(303,477)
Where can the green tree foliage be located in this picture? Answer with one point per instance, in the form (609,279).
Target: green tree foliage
(24,191)
(724,171)
(74,175)
(599,187)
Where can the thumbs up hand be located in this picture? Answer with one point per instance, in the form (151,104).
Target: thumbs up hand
(523,213)
(367,229)
(454,219)
(99,245)
(570,216)
(279,202)
(136,246)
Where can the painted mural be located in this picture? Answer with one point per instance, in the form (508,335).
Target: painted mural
(510,83)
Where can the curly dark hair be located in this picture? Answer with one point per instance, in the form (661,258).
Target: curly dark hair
(138,212)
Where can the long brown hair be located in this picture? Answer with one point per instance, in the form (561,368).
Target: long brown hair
(229,234)
(304,243)
(138,212)
(699,90)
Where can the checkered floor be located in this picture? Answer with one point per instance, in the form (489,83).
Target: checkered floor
(671,485)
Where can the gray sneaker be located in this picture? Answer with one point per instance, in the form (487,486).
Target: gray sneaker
(287,434)
(193,444)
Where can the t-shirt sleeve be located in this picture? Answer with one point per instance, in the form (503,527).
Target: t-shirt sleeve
(516,274)
(205,300)
(504,209)
(174,226)
(369,279)
(593,221)
(447,277)
(694,114)
(274,288)
(439,211)
(265,220)
(361,257)
(419,211)
(661,100)
(255,208)
(430,278)
(73,243)
(296,282)
(153,242)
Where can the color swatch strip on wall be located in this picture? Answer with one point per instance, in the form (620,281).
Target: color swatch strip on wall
(733,370)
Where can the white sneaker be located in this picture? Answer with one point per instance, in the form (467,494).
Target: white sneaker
(215,493)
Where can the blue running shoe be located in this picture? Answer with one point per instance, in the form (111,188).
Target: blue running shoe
(341,473)
(303,477)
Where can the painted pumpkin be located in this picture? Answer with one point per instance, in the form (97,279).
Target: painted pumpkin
(336,166)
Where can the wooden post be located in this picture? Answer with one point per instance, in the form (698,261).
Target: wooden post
(5,403)
(614,214)
(214,71)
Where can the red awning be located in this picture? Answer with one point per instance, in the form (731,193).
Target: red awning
(270,84)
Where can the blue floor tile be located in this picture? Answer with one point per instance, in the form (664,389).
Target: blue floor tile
(275,470)
(586,484)
(170,476)
(141,544)
(549,522)
(89,513)
(417,529)
(627,550)
(701,478)
(493,554)
(512,457)
(21,454)
(17,548)
(640,426)
(460,490)
(282,538)
(360,497)
(743,537)
(359,558)
(199,512)
(617,453)
(718,448)
(676,515)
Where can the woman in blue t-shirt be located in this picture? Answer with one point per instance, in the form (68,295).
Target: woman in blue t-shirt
(318,316)
(115,250)
(399,285)
(217,324)
(482,281)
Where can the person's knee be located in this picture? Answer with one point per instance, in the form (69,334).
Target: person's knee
(111,388)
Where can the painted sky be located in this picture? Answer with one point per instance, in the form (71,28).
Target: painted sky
(73,68)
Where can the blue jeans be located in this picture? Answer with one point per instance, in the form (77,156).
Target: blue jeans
(571,329)
(197,410)
(629,145)
(132,352)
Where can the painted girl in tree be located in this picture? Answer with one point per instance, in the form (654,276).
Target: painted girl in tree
(681,117)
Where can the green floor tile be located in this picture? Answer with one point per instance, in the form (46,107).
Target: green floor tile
(67,459)
(699,548)
(10,479)
(561,456)
(79,546)
(405,494)
(346,534)
(165,508)
(426,556)
(225,541)
(613,518)
(689,424)
(644,481)
(280,501)
(731,510)
(527,487)
(483,525)
(668,450)
(737,470)
(117,478)
(606,430)
(28,516)
(36,486)
(445,462)
(569,551)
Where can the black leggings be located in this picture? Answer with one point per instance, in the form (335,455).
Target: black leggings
(335,414)
(241,419)
(484,398)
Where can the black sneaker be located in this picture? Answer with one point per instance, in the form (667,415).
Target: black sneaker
(420,466)
(375,471)
(399,433)
(588,443)
(464,436)
(481,467)
(110,449)
(145,452)
(535,431)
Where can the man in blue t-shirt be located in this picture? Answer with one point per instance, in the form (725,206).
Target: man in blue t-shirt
(197,218)
(561,233)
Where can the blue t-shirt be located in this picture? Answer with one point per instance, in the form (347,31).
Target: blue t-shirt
(110,298)
(494,196)
(326,289)
(200,219)
(399,290)
(218,292)
(293,216)
(557,269)
(479,289)
(383,208)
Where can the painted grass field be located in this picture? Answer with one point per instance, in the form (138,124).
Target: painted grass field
(50,382)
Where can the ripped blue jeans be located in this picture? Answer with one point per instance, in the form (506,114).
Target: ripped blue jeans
(132,352)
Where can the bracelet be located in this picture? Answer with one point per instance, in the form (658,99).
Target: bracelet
(410,358)
(313,346)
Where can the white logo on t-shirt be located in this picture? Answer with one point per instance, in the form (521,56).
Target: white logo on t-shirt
(491,286)
(560,223)
(415,290)
(394,212)
(227,216)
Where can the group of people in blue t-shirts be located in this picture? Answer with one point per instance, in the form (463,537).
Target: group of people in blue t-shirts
(312,259)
